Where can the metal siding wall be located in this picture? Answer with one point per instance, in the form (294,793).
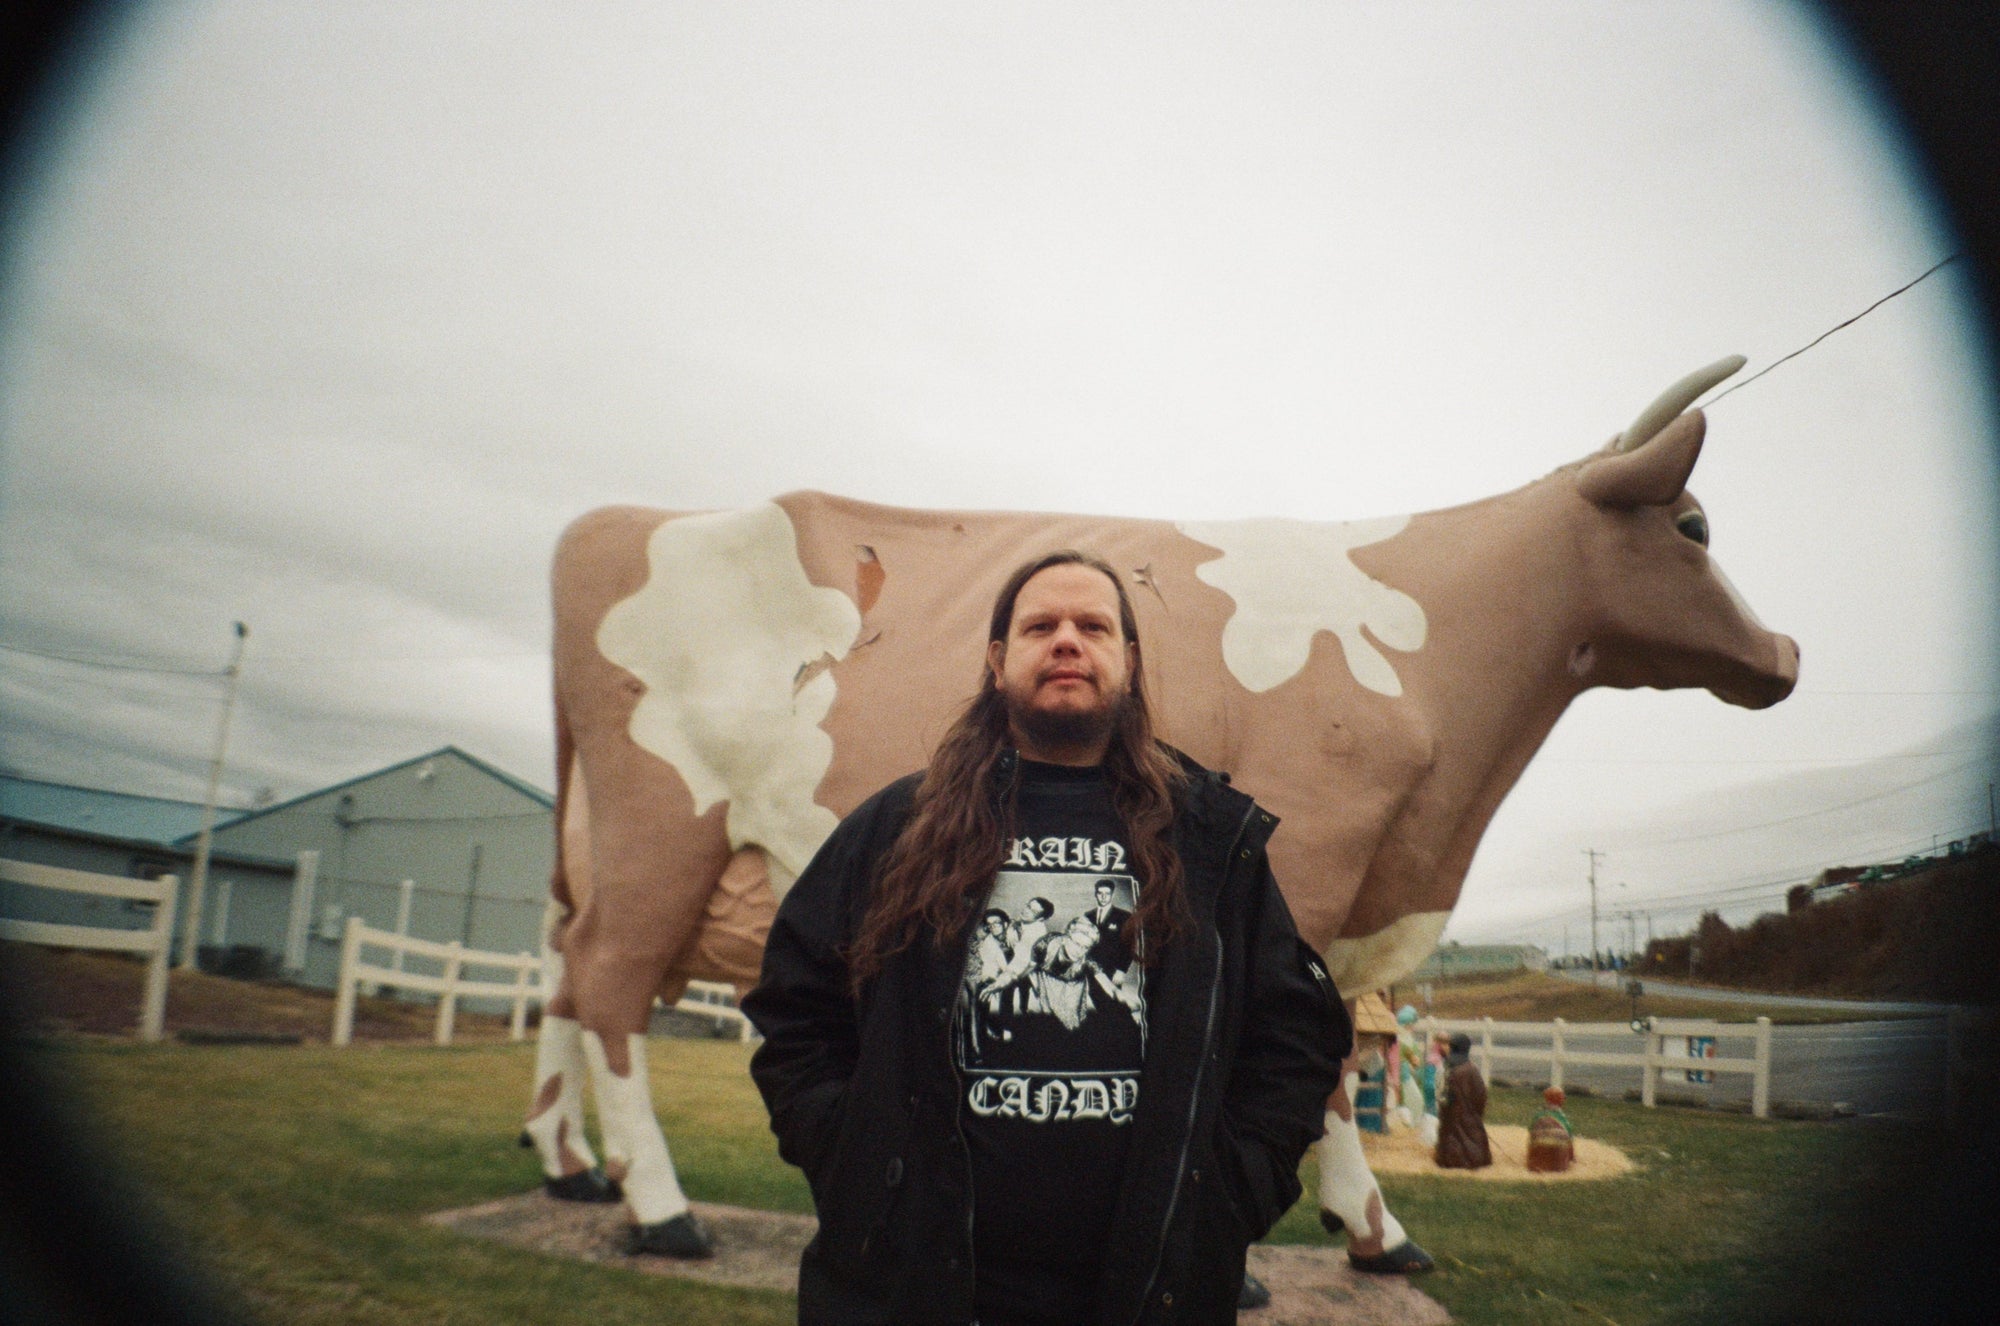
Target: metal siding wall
(259,898)
(19,902)
(406,827)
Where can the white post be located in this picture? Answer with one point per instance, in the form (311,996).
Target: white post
(153,1010)
(1957,1029)
(1556,1054)
(343,997)
(407,887)
(298,924)
(517,1026)
(198,881)
(1649,1076)
(218,929)
(448,1001)
(1760,1085)
(1486,1050)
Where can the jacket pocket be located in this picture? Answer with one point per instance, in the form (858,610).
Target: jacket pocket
(1255,1186)
(856,1186)
(812,1129)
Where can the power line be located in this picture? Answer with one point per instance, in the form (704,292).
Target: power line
(113,663)
(131,664)
(1815,690)
(1734,892)
(1802,815)
(1943,262)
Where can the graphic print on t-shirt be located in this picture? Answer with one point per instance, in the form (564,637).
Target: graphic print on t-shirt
(1052,1013)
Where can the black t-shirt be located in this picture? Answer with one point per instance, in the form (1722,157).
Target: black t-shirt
(1051,1033)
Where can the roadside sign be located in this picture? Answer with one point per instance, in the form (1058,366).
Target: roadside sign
(1700,1047)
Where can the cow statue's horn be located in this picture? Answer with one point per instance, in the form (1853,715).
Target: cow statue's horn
(1675,399)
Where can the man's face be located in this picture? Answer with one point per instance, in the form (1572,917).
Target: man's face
(1103,895)
(1065,667)
(994,926)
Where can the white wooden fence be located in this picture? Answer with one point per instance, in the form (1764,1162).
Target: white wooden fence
(702,997)
(715,1000)
(155,941)
(449,987)
(1649,1061)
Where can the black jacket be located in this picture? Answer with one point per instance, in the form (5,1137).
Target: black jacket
(1245,1042)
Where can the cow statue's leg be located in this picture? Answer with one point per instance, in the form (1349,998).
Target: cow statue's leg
(636,1150)
(614,1005)
(1349,1197)
(555,1112)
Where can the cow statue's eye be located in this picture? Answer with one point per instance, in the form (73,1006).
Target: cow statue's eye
(1693,525)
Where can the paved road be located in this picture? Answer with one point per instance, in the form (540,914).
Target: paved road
(1882,1067)
(1616,980)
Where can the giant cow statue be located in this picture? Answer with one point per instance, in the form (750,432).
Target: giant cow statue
(729,684)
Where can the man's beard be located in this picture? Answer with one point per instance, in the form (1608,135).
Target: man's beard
(1067,728)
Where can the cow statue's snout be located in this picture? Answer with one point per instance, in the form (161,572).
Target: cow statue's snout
(1665,615)
(1765,687)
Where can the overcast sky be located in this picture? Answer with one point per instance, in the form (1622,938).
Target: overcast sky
(328,318)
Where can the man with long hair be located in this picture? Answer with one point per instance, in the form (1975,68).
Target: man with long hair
(1088,1168)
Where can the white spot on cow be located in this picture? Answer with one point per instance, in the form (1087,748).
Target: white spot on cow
(1391,953)
(1293,578)
(719,635)
(632,1133)
(559,1128)
(1346,1183)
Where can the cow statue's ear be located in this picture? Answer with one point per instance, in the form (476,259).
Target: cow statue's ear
(1654,474)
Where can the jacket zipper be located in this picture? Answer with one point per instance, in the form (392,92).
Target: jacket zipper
(965,1149)
(1194,1100)
(1010,771)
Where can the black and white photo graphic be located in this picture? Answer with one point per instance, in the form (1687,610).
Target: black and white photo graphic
(1052,992)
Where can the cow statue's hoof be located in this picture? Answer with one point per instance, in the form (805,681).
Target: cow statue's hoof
(1406,1258)
(1254,1294)
(1330,1222)
(684,1237)
(586,1185)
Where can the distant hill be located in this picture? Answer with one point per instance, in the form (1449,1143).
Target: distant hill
(1933,934)
(1733,849)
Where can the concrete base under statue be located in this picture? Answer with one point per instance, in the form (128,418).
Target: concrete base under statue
(1310,1285)
(1402,1151)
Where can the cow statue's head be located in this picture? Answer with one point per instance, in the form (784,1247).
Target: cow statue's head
(1662,613)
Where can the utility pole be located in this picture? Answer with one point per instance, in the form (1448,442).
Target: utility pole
(198,880)
(472,891)
(1593,854)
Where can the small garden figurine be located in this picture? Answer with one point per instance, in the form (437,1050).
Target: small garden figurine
(1551,1140)
(1410,1060)
(1434,1071)
(1462,1140)
(1371,1114)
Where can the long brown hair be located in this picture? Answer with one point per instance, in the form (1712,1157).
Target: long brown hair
(943,864)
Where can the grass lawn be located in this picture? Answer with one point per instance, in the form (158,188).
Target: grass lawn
(297,1175)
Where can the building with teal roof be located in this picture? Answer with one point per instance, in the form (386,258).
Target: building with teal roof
(444,846)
